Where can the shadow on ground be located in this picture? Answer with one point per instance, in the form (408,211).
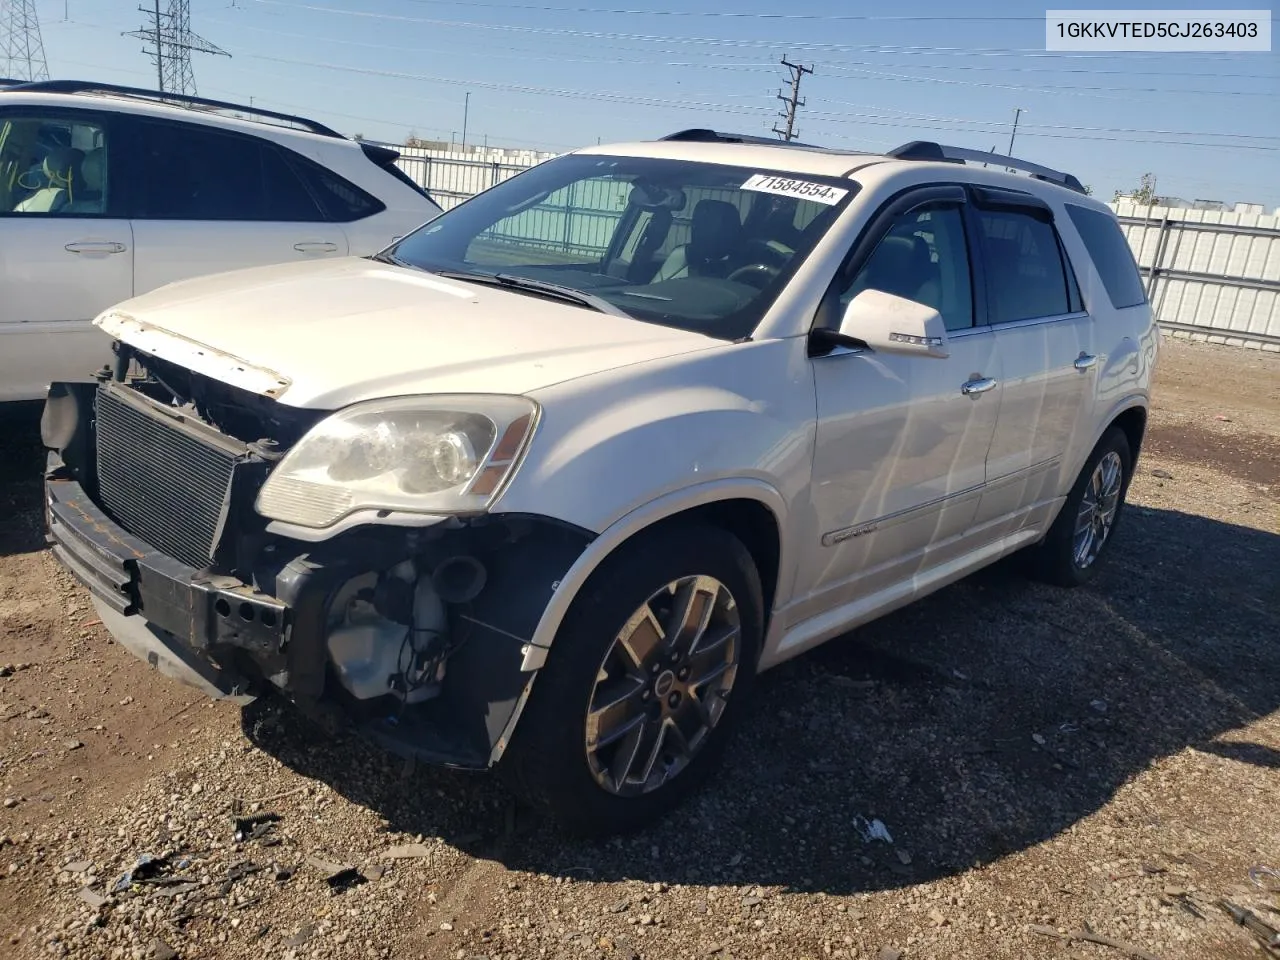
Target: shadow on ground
(21,470)
(1000,712)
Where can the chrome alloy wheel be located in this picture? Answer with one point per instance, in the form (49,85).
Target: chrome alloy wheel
(663,685)
(1098,508)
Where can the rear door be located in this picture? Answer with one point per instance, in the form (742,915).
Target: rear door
(66,253)
(1046,344)
(208,200)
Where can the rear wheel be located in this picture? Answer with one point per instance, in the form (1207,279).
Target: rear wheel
(1081,534)
(643,684)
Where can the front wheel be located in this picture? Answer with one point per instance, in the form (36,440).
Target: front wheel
(1083,529)
(643,683)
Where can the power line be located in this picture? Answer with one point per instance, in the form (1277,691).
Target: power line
(172,43)
(720,14)
(21,47)
(792,100)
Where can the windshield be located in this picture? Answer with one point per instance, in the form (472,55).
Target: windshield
(697,246)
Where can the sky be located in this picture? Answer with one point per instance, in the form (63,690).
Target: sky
(556,74)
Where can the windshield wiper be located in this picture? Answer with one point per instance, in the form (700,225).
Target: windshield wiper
(512,282)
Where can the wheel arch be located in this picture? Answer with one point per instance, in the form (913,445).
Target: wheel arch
(750,509)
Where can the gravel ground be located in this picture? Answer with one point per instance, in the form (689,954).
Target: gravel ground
(1044,762)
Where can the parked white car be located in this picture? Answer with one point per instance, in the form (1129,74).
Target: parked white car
(545,485)
(107,192)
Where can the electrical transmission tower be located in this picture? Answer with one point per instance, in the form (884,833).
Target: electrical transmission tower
(172,43)
(792,100)
(21,49)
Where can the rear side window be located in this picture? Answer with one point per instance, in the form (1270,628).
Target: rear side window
(343,202)
(194,172)
(1026,276)
(1111,254)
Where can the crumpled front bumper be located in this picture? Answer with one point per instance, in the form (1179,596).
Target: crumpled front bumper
(162,610)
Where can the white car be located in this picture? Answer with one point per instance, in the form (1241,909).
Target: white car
(107,192)
(545,485)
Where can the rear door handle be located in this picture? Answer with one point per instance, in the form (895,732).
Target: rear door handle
(975,388)
(1084,362)
(95,246)
(316,246)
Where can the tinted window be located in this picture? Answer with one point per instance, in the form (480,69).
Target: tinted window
(1026,277)
(54,166)
(923,257)
(1111,254)
(190,172)
(342,201)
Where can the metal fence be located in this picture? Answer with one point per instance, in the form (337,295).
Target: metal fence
(451,178)
(1209,275)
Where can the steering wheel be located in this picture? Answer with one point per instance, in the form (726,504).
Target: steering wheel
(758,275)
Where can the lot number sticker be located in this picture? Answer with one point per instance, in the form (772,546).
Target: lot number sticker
(801,189)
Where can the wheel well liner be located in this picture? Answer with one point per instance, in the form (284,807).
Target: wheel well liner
(1134,424)
(751,522)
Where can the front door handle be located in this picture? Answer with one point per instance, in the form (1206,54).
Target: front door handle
(95,246)
(1084,362)
(976,388)
(316,246)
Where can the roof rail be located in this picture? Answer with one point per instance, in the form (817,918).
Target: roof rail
(89,86)
(702,135)
(928,150)
(9,81)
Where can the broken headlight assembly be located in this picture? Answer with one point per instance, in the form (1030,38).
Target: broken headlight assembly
(434,455)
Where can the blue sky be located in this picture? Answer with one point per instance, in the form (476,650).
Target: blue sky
(554,74)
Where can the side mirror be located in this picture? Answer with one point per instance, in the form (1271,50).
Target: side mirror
(891,324)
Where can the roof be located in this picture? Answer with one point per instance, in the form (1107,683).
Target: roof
(816,161)
(710,146)
(140,100)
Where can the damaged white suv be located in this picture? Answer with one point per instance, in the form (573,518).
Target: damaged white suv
(547,483)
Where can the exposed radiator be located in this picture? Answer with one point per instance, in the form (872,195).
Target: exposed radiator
(166,482)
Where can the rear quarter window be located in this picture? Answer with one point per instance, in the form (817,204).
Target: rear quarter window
(1111,254)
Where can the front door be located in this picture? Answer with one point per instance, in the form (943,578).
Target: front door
(65,253)
(901,447)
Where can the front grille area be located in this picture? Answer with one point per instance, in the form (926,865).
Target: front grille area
(165,482)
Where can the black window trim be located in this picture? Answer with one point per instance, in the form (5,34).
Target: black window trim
(1017,201)
(118,196)
(827,315)
(299,165)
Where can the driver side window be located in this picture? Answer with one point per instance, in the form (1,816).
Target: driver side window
(923,257)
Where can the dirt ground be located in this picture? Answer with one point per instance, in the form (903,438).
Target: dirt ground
(1104,760)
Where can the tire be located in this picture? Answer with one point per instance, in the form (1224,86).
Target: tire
(1058,559)
(551,763)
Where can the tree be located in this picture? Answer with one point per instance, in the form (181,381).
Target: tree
(1144,195)
(1088,190)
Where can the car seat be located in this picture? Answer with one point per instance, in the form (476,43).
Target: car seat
(714,238)
(62,168)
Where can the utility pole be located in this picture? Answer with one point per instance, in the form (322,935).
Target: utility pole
(1017,112)
(21,48)
(172,42)
(792,100)
(466,108)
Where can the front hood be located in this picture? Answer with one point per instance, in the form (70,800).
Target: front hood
(323,335)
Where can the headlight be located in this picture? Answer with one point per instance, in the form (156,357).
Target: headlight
(440,454)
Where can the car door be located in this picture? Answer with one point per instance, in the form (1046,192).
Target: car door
(209,200)
(1046,344)
(66,254)
(901,446)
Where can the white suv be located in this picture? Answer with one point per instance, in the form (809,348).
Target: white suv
(546,484)
(107,192)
